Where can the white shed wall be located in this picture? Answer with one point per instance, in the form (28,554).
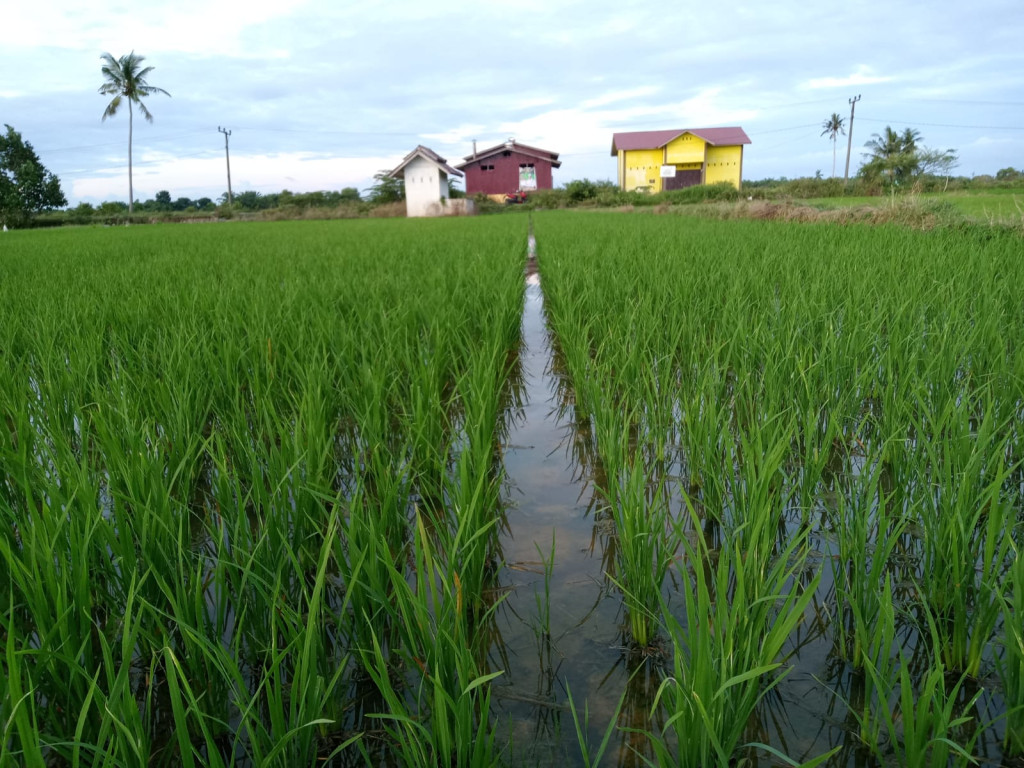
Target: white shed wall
(425,185)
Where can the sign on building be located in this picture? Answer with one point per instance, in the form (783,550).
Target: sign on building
(668,171)
(527,177)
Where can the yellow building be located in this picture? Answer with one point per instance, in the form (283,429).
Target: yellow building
(662,160)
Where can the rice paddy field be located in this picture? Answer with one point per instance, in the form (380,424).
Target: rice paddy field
(694,493)
(991,206)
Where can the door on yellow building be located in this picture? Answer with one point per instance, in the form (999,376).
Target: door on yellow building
(682,179)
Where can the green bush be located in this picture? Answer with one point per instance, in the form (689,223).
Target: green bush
(548,198)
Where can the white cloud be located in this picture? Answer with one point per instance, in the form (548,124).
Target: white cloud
(864,75)
(460,135)
(994,141)
(201,27)
(614,96)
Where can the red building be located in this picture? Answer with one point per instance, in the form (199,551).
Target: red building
(508,168)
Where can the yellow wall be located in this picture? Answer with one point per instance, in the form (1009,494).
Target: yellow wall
(685,149)
(643,169)
(724,164)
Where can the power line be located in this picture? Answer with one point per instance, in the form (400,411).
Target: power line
(119,143)
(947,125)
(965,101)
(796,104)
(331,133)
(790,128)
(117,169)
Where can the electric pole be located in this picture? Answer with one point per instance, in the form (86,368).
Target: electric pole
(227,156)
(849,141)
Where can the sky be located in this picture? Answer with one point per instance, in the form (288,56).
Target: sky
(322,95)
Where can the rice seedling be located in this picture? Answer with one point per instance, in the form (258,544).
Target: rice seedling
(867,535)
(1011,663)
(921,718)
(788,371)
(214,446)
(878,665)
(592,756)
(204,454)
(542,627)
(646,548)
(444,716)
(964,522)
(728,653)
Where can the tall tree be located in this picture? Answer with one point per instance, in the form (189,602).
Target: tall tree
(893,155)
(833,128)
(126,79)
(388,189)
(26,187)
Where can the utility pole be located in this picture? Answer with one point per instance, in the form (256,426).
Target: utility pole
(849,141)
(227,156)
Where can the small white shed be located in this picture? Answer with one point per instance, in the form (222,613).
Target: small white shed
(426,182)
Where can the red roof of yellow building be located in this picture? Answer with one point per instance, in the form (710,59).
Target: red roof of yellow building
(633,140)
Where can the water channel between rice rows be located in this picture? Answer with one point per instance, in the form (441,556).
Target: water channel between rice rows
(558,545)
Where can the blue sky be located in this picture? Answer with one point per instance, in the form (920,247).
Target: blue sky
(321,95)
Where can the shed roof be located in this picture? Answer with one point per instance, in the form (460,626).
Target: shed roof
(656,139)
(428,154)
(513,145)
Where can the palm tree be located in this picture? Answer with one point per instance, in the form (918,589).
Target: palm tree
(126,79)
(833,128)
(893,154)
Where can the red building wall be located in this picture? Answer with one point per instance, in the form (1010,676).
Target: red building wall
(504,179)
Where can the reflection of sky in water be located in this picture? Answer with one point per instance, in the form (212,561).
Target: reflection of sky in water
(544,498)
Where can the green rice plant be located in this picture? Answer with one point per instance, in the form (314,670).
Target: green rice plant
(964,521)
(543,625)
(878,663)
(923,722)
(728,653)
(707,439)
(184,411)
(112,705)
(869,354)
(592,756)
(867,535)
(19,740)
(647,545)
(646,540)
(444,716)
(1010,665)
(305,673)
(189,419)
(428,424)
(58,586)
(363,570)
(474,489)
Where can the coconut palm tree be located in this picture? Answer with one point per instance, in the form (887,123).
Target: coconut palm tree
(833,128)
(126,79)
(893,154)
